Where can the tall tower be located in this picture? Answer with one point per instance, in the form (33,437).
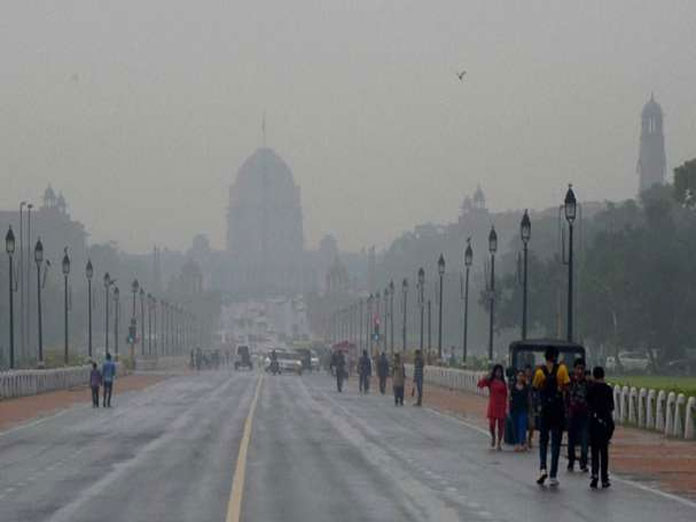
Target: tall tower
(651,158)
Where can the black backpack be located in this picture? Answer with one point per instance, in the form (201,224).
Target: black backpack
(551,397)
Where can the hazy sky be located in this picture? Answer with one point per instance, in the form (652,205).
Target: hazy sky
(142,111)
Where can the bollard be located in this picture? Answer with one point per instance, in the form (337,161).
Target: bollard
(678,428)
(642,407)
(669,413)
(651,416)
(690,418)
(617,404)
(623,412)
(660,405)
(632,404)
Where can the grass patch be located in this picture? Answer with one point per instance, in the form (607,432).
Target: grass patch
(685,385)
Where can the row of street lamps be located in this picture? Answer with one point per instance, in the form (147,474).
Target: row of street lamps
(178,327)
(342,320)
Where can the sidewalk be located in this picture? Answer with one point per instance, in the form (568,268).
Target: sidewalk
(16,411)
(640,455)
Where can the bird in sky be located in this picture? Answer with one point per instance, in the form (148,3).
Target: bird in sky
(461,75)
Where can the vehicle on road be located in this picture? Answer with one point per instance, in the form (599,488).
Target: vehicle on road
(243,358)
(286,361)
(531,352)
(310,360)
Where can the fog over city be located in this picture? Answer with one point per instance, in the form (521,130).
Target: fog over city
(142,112)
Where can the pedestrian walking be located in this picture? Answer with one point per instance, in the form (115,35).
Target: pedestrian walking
(497,403)
(108,376)
(383,372)
(340,368)
(551,381)
(578,416)
(520,404)
(95,381)
(418,368)
(600,401)
(398,380)
(533,417)
(364,372)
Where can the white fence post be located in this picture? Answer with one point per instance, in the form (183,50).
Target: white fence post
(669,413)
(642,407)
(690,418)
(660,407)
(632,404)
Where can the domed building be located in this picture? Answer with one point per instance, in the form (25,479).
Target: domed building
(264,227)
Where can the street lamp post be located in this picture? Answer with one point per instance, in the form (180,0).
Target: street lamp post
(391,315)
(66,273)
(116,309)
(107,284)
(492,247)
(404,290)
(149,323)
(360,333)
(441,272)
(525,234)
(89,272)
(10,249)
(368,333)
(430,344)
(570,206)
(468,258)
(421,305)
(38,259)
(142,321)
(387,317)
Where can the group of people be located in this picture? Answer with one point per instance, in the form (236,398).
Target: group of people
(551,400)
(396,369)
(104,378)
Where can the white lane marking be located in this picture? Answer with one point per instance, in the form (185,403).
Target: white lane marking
(638,485)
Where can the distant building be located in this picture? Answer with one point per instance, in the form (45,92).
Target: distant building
(264,228)
(651,157)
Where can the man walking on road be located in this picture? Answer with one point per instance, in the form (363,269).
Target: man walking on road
(108,375)
(398,380)
(95,381)
(418,367)
(383,372)
(340,366)
(551,380)
(365,372)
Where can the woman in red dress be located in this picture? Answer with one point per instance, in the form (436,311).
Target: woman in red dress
(497,402)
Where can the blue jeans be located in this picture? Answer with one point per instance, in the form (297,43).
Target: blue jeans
(419,388)
(578,433)
(554,427)
(519,422)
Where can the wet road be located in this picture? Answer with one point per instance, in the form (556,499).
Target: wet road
(170,453)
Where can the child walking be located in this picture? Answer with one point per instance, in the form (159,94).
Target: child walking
(520,400)
(497,403)
(95,381)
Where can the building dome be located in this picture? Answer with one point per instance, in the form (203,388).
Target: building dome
(652,108)
(264,168)
(264,226)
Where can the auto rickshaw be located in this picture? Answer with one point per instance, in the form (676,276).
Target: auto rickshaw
(530,353)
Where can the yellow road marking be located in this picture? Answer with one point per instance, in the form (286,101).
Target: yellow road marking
(234,506)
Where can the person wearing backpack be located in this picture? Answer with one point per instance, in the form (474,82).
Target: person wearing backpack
(551,380)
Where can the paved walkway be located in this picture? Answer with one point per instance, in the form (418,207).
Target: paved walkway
(645,456)
(22,409)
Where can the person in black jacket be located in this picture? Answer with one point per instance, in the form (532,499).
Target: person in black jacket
(383,372)
(600,401)
(365,372)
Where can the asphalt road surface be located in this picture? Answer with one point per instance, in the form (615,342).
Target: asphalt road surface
(170,453)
